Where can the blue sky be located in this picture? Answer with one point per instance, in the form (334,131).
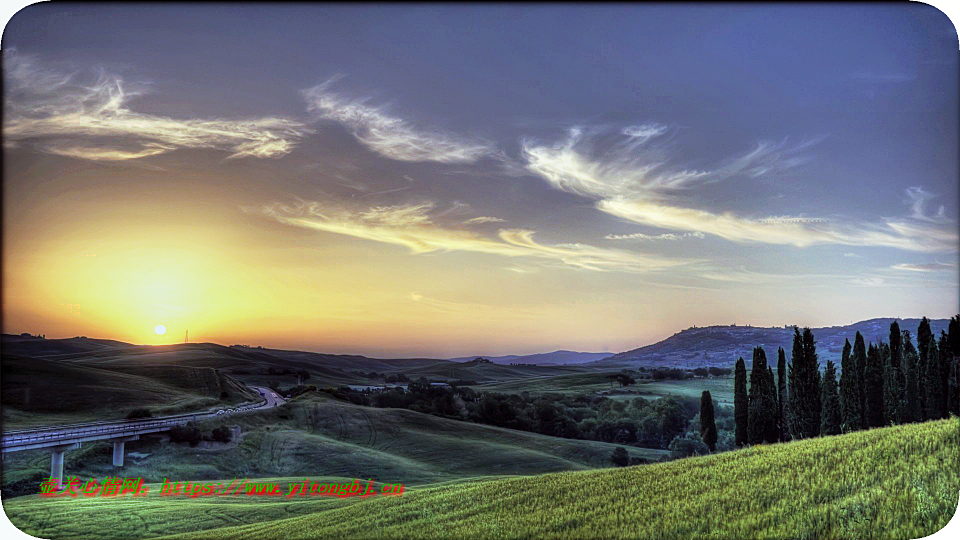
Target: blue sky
(511,179)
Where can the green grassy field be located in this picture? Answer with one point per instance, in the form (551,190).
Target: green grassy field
(897,482)
(720,389)
(38,392)
(488,371)
(317,435)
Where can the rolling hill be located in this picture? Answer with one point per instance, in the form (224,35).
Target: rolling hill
(888,483)
(252,365)
(722,345)
(559,358)
(316,435)
(37,392)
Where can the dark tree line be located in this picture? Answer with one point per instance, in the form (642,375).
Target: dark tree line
(880,384)
(636,422)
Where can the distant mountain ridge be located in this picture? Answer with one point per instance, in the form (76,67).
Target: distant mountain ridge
(560,358)
(694,347)
(722,345)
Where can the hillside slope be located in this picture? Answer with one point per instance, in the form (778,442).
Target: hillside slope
(37,392)
(315,435)
(722,345)
(897,482)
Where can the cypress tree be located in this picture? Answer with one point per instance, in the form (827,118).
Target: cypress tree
(923,343)
(891,402)
(946,358)
(953,335)
(912,411)
(953,382)
(860,363)
(772,433)
(757,415)
(804,383)
(893,380)
(830,418)
(782,394)
(932,389)
(873,388)
(740,402)
(953,392)
(708,423)
(850,414)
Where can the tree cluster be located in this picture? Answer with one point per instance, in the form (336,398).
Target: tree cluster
(638,422)
(880,384)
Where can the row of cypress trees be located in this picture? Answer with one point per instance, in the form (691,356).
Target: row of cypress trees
(881,384)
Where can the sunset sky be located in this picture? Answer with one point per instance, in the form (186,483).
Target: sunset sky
(445,181)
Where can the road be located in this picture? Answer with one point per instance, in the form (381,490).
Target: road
(60,435)
(273,399)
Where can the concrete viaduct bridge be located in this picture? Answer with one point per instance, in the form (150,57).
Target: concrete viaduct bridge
(60,439)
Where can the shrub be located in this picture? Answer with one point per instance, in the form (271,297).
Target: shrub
(221,434)
(189,433)
(687,445)
(620,458)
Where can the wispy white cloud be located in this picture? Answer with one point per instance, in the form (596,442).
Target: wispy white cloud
(664,236)
(523,269)
(587,163)
(633,180)
(901,234)
(64,116)
(918,205)
(389,135)
(750,278)
(101,154)
(644,131)
(925,267)
(484,219)
(743,275)
(413,226)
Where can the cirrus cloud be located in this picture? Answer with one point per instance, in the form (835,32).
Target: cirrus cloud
(414,227)
(67,117)
(389,135)
(633,179)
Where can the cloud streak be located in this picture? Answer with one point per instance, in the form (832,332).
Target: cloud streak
(94,121)
(926,267)
(633,179)
(654,237)
(388,135)
(484,219)
(413,227)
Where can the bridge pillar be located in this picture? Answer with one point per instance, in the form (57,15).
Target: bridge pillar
(118,445)
(56,461)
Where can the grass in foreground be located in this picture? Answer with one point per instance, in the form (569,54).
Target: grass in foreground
(896,482)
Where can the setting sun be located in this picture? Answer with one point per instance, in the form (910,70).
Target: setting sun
(159,329)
